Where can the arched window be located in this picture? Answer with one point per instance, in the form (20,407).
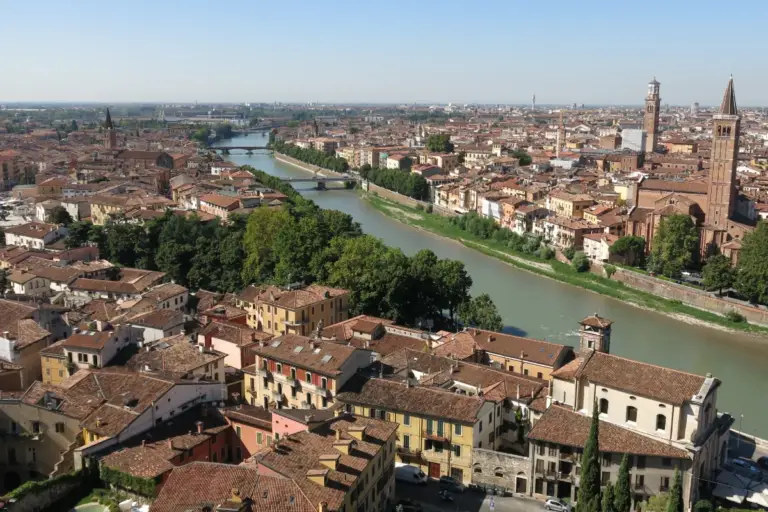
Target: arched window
(632,414)
(661,422)
(477,469)
(603,406)
(498,472)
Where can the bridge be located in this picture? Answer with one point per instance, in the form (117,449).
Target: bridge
(321,181)
(230,148)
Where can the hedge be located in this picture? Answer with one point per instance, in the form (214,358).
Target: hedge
(39,486)
(139,485)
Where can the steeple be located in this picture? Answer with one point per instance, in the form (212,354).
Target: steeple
(728,106)
(108,123)
(110,135)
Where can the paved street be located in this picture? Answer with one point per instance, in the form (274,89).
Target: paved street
(468,501)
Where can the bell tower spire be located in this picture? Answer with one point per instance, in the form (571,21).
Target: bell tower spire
(110,135)
(651,115)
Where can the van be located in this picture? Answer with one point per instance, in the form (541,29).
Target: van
(410,474)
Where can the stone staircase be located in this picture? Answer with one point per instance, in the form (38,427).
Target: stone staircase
(66,463)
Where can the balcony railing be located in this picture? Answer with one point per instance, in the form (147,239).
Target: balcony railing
(262,372)
(435,456)
(285,379)
(277,396)
(313,388)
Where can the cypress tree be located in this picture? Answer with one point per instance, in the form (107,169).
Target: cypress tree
(608,498)
(589,490)
(623,494)
(675,503)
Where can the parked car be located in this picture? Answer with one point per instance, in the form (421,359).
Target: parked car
(451,484)
(763,462)
(410,474)
(556,505)
(747,468)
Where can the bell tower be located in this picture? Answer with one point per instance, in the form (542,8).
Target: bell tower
(595,334)
(651,115)
(110,135)
(722,173)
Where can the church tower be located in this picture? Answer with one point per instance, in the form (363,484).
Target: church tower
(560,135)
(651,116)
(110,135)
(595,334)
(722,172)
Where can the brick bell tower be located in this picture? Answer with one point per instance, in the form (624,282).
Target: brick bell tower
(726,125)
(651,116)
(110,135)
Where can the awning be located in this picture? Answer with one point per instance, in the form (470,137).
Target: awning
(730,493)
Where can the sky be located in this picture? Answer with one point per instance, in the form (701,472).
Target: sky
(334,51)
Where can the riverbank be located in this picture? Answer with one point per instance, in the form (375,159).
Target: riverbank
(559,271)
(305,166)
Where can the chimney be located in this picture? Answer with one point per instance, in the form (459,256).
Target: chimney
(201,348)
(170,444)
(261,343)
(318,476)
(143,443)
(518,391)
(311,344)
(338,412)
(338,434)
(330,460)
(357,432)
(322,507)
(308,418)
(98,422)
(199,425)
(236,496)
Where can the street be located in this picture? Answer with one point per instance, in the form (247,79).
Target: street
(468,501)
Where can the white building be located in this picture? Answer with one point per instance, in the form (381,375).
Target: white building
(34,235)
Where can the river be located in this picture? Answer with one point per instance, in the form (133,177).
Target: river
(542,308)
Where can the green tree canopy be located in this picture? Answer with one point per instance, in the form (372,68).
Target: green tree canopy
(608,499)
(718,273)
(657,503)
(440,143)
(588,499)
(752,274)
(481,312)
(580,262)
(60,215)
(523,157)
(631,249)
(675,246)
(622,501)
(675,503)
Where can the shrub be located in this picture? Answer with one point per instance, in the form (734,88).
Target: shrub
(429,208)
(545,253)
(735,316)
(609,270)
(143,486)
(580,262)
(569,252)
(420,207)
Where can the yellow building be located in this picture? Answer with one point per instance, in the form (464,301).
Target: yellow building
(54,364)
(294,309)
(566,204)
(438,429)
(105,207)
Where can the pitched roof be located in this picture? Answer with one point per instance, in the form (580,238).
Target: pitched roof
(728,106)
(515,347)
(563,426)
(195,485)
(291,299)
(323,357)
(173,354)
(398,396)
(233,332)
(648,380)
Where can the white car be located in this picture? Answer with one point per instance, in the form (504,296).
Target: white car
(556,505)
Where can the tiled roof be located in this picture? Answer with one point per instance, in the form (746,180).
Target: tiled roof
(563,426)
(200,484)
(32,229)
(648,380)
(233,332)
(324,357)
(174,354)
(290,299)
(89,340)
(250,415)
(398,396)
(515,347)
(159,319)
(343,330)
(164,292)
(299,453)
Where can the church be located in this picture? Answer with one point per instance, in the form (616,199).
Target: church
(723,217)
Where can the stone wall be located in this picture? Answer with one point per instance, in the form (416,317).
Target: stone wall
(405,200)
(44,494)
(491,468)
(687,295)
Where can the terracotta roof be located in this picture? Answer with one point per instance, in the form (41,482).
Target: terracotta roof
(164,292)
(250,415)
(232,332)
(89,340)
(563,426)
(200,484)
(596,321)
(643,379)
(32,229)
(222,201)
(173,354)
(694,187)
(323,357)
(159,318)
(290,299)
(397,396)
(299,454)
(515,347)
(343,330)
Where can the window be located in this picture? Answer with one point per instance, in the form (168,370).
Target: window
(457,429)
(641,462)
(541,449)
(632,414)
(36,427)
(372,413)
(661,422)
(215,457)
(539,466)
(666,463)
(539,375)
(457,450)
(429,426)
(406,441)
(639,481)
(498,473)
(525,372)
(237,429)
(481,426)
(440,425)
(552,450)
(605,478)
(324,383)
(539,486)
(406,419)
(279,368)
(259,437)
(293,373)
(59,428)
(664,486)
(606,459)
(308,377)
(603,406)
(490,417)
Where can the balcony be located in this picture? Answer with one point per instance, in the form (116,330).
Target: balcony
(262,372)
(295,323)
(312,388)
(285,379)
(435,436)
(436,456)
(277,397)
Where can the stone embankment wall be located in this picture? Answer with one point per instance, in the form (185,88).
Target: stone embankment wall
(405,200)
(511,468)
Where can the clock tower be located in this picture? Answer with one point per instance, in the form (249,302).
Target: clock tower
(651,116)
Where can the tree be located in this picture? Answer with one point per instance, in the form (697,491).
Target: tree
(453,284)
(580,262)
(588,499)
(718,273)
(569,252)
(523,157)
(676,494)
(657,503)
(263,226)
(631,249)
(73,126)
(622,501)
(60,215)
(3,281)
(752,274)
(675,245)
(608,499)
(481,312)
(703,506)
(78,234)
(439,143)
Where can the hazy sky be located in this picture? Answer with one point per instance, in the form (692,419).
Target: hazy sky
(588,51)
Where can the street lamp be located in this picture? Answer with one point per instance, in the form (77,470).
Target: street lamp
(741,432)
